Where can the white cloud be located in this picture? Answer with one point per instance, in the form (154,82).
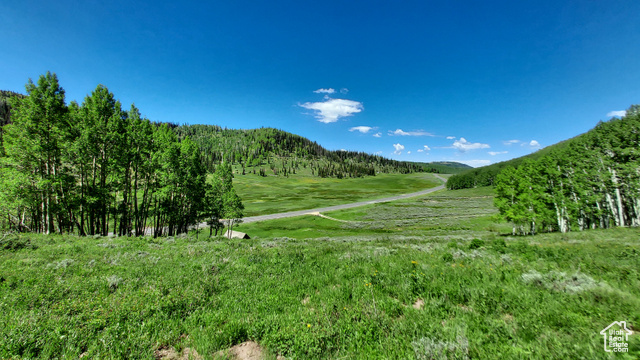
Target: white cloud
(494,153)
(463,145)
(619,113)
(362,129)
(450,137)
(325,91)
(377,135)
(400,132)
(426,148)
(420,150)
(398,148)
(534,144)
(408,152)
(510,142)
(378,152)
(331,110)
(344,91)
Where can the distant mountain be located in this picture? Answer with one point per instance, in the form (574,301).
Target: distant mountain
(276,151)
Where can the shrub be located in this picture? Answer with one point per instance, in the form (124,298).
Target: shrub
(560,281)
(499,245)
(476,244)
(14,242)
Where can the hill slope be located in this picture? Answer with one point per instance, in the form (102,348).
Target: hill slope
(279,152)
(592,181)
(485,176)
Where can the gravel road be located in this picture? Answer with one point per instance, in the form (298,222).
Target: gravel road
(251,219)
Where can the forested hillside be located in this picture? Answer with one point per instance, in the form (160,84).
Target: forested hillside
(93,168)
(592,181)
(486,175)
(276,152)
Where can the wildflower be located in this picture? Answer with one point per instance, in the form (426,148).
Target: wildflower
(308,325)
(414,262)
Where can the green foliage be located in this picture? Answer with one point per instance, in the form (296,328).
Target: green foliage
(327,290)
(286,154)
(591,182)
(94,169)
(476,244)
(13,242)
(486,175)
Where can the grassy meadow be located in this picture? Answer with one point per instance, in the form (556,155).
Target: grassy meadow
(275,194)
(424,278)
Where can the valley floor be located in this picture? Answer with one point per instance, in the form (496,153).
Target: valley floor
(432,277)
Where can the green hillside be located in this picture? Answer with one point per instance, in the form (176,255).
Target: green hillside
(592,181)
(276,152)
(485,176)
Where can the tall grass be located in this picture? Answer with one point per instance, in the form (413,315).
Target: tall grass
(433,288)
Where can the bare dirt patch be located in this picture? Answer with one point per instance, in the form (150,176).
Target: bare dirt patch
(248,350)
(172,354)
(418,304)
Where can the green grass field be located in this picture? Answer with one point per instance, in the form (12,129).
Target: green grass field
(425,278)
(275,194)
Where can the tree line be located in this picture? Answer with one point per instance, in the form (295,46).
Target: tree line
(593,181)
(95,169)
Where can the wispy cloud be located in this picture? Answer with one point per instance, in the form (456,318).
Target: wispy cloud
(378,152)
(463,145)
(362,129)
(332,110)
(400,132)
(450,137)
(494,153)
(378,134)
(398,148)
(343,90)
(510,142)
(325,91)
(426,149)
(619,113)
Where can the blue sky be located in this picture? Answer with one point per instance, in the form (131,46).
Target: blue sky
(471,81)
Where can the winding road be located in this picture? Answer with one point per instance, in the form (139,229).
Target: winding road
(289,214)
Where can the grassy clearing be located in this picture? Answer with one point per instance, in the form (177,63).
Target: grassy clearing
(275,194)
(427,278)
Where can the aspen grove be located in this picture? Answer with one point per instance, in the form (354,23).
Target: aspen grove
(594,182)
(95,169)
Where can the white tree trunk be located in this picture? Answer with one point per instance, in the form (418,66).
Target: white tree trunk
(614,179)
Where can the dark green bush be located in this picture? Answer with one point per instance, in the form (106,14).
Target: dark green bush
(476,244)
